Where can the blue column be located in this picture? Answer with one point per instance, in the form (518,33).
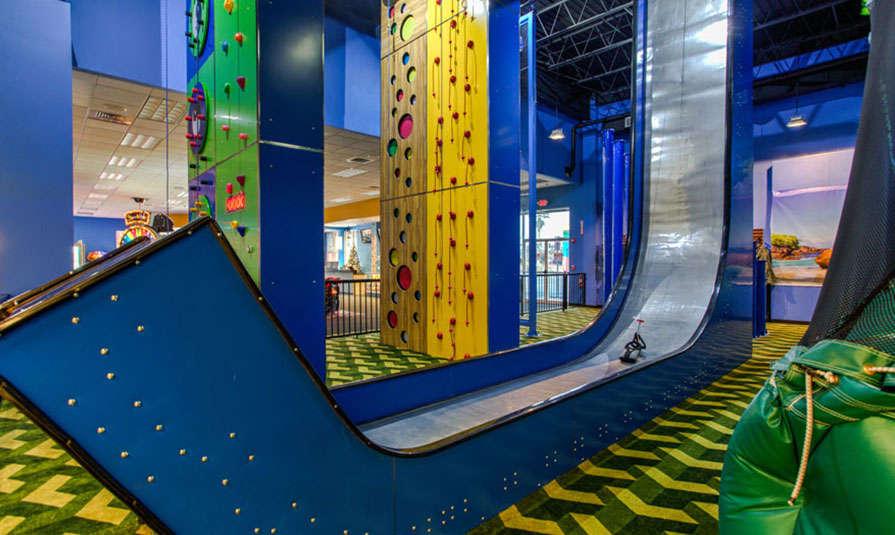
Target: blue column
(36,223)
(532,180)
(608,139)
(618,206)
(627,193)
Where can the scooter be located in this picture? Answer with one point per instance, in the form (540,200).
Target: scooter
(634,347)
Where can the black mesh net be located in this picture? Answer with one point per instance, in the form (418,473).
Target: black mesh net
(864,250)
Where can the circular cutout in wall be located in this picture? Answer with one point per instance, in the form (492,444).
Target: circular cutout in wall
(397,212)
(407,28)
(405,277)
(399,95)
(394,79)
(417,295)
(404,336)
(408,182)
(392,147)
(403,8)
(408,153)
(416,317)
(405,125)
(403,236)
(392,319)
(393,257)
(405,59)
(412,100)
(411,74)
(391,12)
(414,256)
(397,172)
(394,112)
(408,217)
(395,297)
(393,29)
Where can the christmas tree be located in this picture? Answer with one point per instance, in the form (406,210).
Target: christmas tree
(354,261)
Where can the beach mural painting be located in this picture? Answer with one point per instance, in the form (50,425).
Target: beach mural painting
(804,203)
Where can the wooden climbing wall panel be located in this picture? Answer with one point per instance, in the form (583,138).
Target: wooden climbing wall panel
(434,178)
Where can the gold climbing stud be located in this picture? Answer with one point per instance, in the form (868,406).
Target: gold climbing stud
(140,328)
(313,520)
(71,402)
(100,430)
(225,482)
(232,435)
(183,452)
(110,376)
(204,459)
(237,510)
(150,479)
(868,369)
(257,530)
(273,530)
(114,297)
(294,505)
(251,458)
(76,320)
(159,427)
(124,454)
(138,404)
(104,351)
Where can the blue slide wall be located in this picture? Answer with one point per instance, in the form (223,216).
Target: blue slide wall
(35,144)
(97,233)
(832,117)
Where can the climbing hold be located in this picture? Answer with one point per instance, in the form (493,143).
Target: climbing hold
(453,22)
(438,266)
(195,90)
(190,99)
(467,266)
(467,87)
(453,180)
(456,115)
(439,335)
(241,80)
(469,44)
(453,321)
(469,295)
(241,179)
(437,60)
(228,5)
(466,356)
(470,160)
(190,136)
(437,217)
(467,134)
(437,293)
(470,213)
(229,187)
(243,136)
(225,46)
(453,215)
(453,79)
(453,242)
(234,224)
(193,144)
(241,230)
(437,169)
(239,37)
(188,118)
(225,127)
(227,88)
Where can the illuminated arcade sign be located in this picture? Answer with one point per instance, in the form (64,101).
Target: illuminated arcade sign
(236,202)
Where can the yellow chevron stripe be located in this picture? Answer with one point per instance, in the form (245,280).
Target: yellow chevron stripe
(667,423)
(656,438)
(7,484)
(513,519)
(717,427)
(640,508)
(708,403)
(663,479)
(48,494)
(635,454)
(706,443)
(727,414)
(590,524)
(684,412)
(592,470)
(710,508)
(9,523)
(46,449)
(683,457)
(8,441)
(98,509)
(554,490)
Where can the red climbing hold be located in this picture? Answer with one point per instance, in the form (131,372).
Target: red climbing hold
(243,136)
(437,169)
(467,266)
(469,44)
(453,23)
(225,127)
(437,60)
(453,321)
(193,144)
(188,118)
(467,87)
(453,242)
(190,100)
(467,134)
(456,115)
(469,214)
(437,217)
(453,180)
(469,295)
(195,90)
(439,335)
(241,81)
(453,215)
(470,160)
(453,79)
(441,120)
(190,136)
(466,356)
(439,266)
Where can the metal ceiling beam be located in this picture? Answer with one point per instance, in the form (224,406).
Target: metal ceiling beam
(801,13)
(605,74)
(584,25)
(592,53)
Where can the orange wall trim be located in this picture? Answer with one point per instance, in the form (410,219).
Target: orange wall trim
(353,210)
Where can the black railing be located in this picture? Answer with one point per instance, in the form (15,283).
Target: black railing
(556,291)
(352,307)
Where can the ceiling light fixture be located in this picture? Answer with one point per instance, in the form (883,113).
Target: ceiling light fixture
(557,133)
(796,121)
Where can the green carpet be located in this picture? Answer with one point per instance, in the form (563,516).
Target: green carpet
(661,479)
(352,358)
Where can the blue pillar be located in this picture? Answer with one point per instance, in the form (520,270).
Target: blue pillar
(608,139)
(627,193)
(532,179)
(36,223)
(618,206)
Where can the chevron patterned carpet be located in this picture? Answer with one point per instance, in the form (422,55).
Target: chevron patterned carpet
(353,358)
(661,479)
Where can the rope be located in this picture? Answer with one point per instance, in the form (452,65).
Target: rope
(870,370)
(810,374)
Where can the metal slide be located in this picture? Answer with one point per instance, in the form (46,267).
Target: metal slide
(190,401)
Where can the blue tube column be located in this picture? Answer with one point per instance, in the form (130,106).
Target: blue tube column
(608,139)
(618,206)
(626,181)
(532,179)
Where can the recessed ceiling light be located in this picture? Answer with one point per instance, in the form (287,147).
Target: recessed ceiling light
(105,175)
(341,199)
(359,159)
(139,141)
(105,185)
(348,173)
(98,196)
(124,161)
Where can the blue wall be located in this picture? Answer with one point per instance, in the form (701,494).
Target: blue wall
(35,144)
(351,75)
(97,233)
(832,117)
(553,155)
(128,39)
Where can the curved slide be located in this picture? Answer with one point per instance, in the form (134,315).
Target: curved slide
(190,401)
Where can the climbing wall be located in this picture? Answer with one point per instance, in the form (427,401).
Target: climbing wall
(434,177)
(223,121)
